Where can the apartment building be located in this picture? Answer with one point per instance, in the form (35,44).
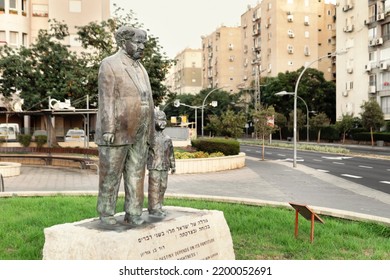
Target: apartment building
(21,20)
(222,57)
(280,36)
(186,74)
(363,72)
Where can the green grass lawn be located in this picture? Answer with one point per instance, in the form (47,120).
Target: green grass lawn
(257,232)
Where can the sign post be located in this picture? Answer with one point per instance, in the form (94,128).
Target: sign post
(308,214)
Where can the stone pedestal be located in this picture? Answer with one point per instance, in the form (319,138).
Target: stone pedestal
(184,234)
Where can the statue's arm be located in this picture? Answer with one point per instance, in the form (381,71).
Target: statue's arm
(106,80)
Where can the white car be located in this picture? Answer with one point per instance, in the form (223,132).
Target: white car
(75,135)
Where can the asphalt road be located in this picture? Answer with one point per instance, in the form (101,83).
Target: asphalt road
(371,172)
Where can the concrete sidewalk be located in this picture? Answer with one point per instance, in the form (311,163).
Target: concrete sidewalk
(259,183)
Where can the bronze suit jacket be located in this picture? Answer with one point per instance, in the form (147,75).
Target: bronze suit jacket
(120,93)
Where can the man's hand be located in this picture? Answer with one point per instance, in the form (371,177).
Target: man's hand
(173,170)
(109,138)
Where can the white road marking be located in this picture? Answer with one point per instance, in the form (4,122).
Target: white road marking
(341,163)
(281,155)
(317,160)
(322,170)
(298,159)
(336,158)
(351,176)
(364,166)
(385,182)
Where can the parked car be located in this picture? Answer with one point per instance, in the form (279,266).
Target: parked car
(75,135)
(9,131)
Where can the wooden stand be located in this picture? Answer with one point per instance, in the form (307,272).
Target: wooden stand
(308,214)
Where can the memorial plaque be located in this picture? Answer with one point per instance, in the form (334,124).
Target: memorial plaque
(184,234)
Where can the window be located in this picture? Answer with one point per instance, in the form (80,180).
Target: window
(372,56)
(2,6)
(372,80)
(13,38)
(386,32)
(24,40)
(75,6)
(306,22)
(2,36)
(372,32)
(24,6)
(385,104)
(12,4)
(40,10)
(384,81)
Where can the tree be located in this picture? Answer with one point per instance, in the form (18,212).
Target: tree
(280,122)
(301,120)
(233,123)
(263,120)
(319,121)
(49,68)
(345,124)
(372,117)
(319,94)
(229,124)
(100,38)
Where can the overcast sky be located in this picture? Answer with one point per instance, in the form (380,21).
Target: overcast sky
(181,23)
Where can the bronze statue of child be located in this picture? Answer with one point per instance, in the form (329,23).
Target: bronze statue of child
(161,159)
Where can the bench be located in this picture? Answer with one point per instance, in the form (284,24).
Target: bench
(85,163)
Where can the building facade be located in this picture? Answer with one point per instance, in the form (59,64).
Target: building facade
(280,36)
(186,74)
(21,20)
(222,59)
(363,72)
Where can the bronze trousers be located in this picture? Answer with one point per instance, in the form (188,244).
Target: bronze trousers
(128,161)
(158,181)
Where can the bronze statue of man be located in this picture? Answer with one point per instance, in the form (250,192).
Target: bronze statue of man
(161,159)
(125,126)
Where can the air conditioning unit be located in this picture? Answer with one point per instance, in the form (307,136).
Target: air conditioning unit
(345,93)
(346,8)
(367,67)
(267,25)
(291,35)
(372,42)
(379,41)
(372,89)
(306,22)
(290,51)
(367,22)
(350,70)
(245,78)
(383,66)
(380,16)
(290,18)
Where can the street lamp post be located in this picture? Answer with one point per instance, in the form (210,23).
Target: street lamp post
(296,97)
(177,103)
(203,104)
(307,110)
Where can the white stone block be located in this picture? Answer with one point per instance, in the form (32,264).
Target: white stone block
(185,233)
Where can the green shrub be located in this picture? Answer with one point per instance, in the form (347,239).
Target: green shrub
(24,139)
(212,145)
(330,133)
(41,140)
(366,136)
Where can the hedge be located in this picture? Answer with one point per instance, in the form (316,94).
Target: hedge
(366,136)
(228,147)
